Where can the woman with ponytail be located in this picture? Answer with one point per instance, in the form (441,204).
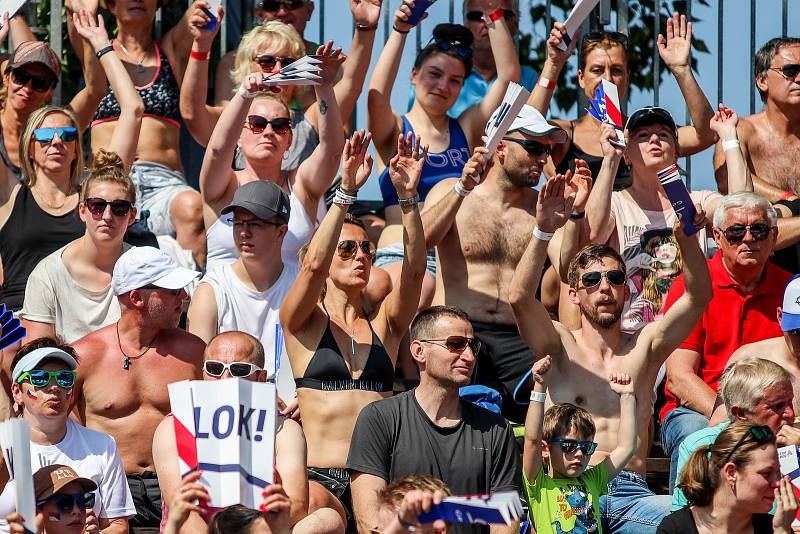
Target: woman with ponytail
(731,486)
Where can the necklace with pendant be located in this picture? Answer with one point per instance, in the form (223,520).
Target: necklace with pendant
(126,363)
(139,67)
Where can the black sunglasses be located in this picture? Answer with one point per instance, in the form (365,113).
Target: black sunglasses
(97,206)
(238,369)
(789,71)
(39,84)
(569,446)
(347,248)
(735,233)
(598,36)
(615,277)
(795,332)
(257,124)
(67,501)
(457,344)
(534,148)
(463,51)
(267,62)
(761,434)
(477,16)
(272,6)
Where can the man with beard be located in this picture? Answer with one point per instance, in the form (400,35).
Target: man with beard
(480,236)
(583,359)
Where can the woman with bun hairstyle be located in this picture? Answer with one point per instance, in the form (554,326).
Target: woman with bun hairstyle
(732,484)
(69,292)
(37,215)
(438,75)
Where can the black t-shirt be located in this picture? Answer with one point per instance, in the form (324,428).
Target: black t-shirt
(682,522)
(394,438)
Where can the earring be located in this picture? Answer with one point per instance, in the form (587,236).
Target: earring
(286,155)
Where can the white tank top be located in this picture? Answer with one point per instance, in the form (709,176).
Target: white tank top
(242,309)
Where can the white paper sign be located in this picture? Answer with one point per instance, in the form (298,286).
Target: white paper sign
(304,71)
(226,429)
(788,459)
(16,443)
(12,6)
(576,17)
(503,117)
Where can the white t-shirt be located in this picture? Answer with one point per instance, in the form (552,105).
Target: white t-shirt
(53,297)
(92,455)
(242,309)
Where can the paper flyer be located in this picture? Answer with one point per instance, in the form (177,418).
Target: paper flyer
(579,12)
(788,459)
(304,71)
(678,195)
(12,6)
(516,96)
(16,443)
(420,7)
(499,508)
(605,107)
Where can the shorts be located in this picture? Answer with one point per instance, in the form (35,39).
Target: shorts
(337,481)
(156,187)
(147,499)
(504,363)
(394,253)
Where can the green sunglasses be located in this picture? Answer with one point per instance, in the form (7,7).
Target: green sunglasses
(761,434)
(40,378)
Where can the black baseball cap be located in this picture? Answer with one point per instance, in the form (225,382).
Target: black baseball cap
(262,198)
(651,115)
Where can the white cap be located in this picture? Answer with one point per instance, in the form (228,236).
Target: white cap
(31,361)
(790,311)
(531,122)
(144,266)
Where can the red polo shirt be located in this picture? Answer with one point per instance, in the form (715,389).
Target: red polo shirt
(733,318)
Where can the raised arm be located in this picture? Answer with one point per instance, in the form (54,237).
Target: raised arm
(20,31)
(177,43)
(126,134)
(598,207)
(622,385)
(405,168)
(575,231)
(675,51)
(723,123)
(307,288)
(532,450)
(552,211)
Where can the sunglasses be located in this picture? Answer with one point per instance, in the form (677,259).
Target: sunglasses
(267,62)
(39,84)
(272,6)
(569,446)
(534,148)
(761,434)
(40,378)
(257,124)
(598,36)
(237,369)
(456,344)
(615,277)
(153,287)
(789,71)
(795,332)
(67,501)
(735,233)
(347,248)
(463,51)
(97,206)
(65,133)
(477,16)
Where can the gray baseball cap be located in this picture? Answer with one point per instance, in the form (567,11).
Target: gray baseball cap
(262,198)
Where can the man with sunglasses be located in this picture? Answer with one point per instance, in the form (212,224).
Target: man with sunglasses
(480,234)
(240,355)
(747,290)
(126,366)
(43,378)
(582,359)
(430,430)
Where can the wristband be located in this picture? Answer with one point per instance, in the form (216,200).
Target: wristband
(461,190)
(343,198)
(103,51)
(365,28)
(577,215)
(542,236)
(245,93)
(787,195)
(547,83)
(538,396)
(496,15)
(399,31)
(408,201)
(200,56)
(727,145)
(408,527)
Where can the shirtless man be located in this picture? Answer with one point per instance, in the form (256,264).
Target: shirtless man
(231,354)
(125,367)
(584,358)
(770,140)
(480,236)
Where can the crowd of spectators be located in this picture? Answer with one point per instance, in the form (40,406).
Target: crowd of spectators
(535,318)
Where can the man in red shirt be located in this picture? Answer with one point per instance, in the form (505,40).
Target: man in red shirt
(747,289)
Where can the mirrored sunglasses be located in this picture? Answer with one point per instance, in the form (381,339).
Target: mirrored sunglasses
(463,51)
(67,501)
(237,369)
(41,378)
(457,344)
(257,124)
(569,446)
(65,133)
(736,233)
(97,206)
(347,248)
(615,277)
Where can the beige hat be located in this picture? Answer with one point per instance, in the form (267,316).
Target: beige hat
(48,480)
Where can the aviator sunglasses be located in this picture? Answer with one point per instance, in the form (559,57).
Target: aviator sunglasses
(41,378)
(267,62)
(534,148)
(237,369)
(463,51)
(477,16)
(66,501)
(761,434)
(789,71)
(569,446)
(456,344)
(97,206)
(735,233)
(258,124)
(615,277)
(272,6)
(65,133)
(347,248)
(39,84)
(598,36)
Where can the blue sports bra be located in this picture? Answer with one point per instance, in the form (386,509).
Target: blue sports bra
(439,165)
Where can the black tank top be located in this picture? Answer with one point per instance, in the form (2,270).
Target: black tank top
(623,178)
(30,234)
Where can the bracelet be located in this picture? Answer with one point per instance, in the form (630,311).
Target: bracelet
(542,236)
(547,83)
(461,190)
(727,145)
(538,396)
(408,201)
(408,527)
(577,215)
(200,56)
(496,15)
(365,28)
(399,31)
(103,51)
(786,196)
(245,93)
(343,198)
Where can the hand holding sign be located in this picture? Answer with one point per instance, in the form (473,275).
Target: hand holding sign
(678,195)
(579,12)
(605,108)
(503,117)
(501,508)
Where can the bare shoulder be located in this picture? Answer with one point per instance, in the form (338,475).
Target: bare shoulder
(183,343)
(439,190)
(766,349)
(749,126)
(93,347)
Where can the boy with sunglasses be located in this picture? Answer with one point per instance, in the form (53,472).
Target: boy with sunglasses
(566,499)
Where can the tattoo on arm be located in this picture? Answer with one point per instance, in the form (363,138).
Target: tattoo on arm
(323,107)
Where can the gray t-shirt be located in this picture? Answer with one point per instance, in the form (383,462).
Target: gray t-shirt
(394,438)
